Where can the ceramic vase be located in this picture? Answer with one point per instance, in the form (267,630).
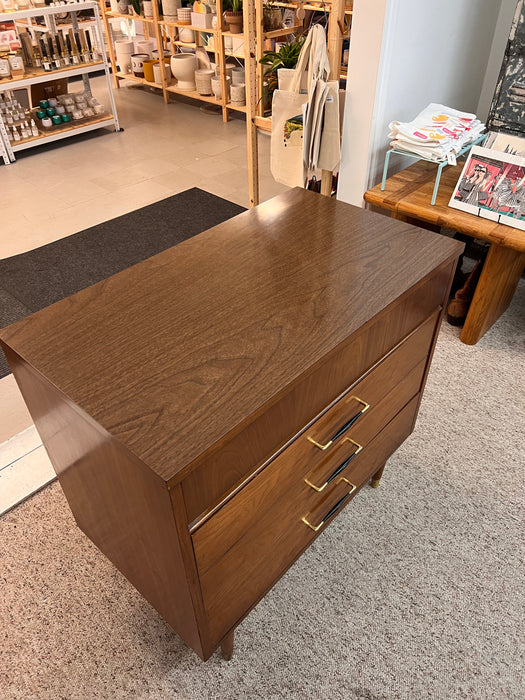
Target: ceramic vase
(137,64)
(234,21)
(169,9)
(187,36)
(203,78)
(216,86)
(183,70)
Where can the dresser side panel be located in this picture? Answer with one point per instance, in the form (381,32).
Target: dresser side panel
(120,504)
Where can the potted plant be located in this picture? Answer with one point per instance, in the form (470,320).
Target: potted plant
(272,17)
(233,15)
(286,57)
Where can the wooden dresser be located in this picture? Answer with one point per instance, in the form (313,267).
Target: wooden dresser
(210,410)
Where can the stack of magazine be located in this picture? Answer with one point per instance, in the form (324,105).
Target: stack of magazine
(492,183)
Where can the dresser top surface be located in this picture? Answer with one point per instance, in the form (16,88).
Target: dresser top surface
(173,354)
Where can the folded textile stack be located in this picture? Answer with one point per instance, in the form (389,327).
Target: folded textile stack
(437,133)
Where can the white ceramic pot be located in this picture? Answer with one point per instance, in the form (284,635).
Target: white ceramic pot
(203,78)
(123,50)
(237,76)
(169,9)
(238,93)
(148,8)
(183,67)
(216,86)
(137,64)
(145,46)
(187,36)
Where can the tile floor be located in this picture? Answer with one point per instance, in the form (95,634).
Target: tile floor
(54,191)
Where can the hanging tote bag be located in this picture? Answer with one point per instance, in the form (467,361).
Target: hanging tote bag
(286,148)
(330,145)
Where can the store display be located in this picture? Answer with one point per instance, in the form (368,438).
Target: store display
(37,49)
(438,133)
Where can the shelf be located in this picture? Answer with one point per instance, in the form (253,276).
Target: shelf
(48,10)
(318,7)
(136,79)
(194,95)
(138,18)
(202,30)
(37,75)
(60,132)
(282,32)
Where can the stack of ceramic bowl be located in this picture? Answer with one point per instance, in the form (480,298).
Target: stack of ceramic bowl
(203,78)
(123,50)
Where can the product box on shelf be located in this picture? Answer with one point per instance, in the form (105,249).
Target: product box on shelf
(199,19)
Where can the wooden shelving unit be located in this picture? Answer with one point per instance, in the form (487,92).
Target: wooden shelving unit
(255,40)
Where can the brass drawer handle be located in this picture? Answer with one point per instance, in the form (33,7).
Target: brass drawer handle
(332,510)
(339,469)
(345,427)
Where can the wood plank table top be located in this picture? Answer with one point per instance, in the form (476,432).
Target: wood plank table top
(209,331)
(409,192)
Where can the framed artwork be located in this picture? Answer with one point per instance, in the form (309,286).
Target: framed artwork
(507,112)
(492,185)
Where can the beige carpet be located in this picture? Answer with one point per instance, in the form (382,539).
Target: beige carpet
(415,591)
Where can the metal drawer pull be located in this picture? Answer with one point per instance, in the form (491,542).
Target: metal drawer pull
(339,469)
(332,510)
(345,427)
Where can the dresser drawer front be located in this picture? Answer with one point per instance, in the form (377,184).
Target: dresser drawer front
(212,481)
(270,531)
(386,389)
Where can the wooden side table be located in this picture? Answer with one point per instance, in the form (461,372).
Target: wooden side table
(408,195)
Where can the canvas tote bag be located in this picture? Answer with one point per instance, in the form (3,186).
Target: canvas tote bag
(286,148)
(330,145)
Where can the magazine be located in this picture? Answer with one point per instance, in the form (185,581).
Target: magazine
(492,185)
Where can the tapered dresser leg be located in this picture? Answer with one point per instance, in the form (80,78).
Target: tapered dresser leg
(227,646)
(376,478)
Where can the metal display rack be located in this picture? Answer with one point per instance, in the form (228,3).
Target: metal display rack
(37,75)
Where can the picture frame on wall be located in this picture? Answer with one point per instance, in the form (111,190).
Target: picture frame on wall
(492,186)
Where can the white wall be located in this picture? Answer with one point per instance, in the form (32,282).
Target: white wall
(429,52)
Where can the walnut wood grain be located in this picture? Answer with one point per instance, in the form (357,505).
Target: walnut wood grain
(499,278)
(277,538)
(117,501)
(183,380)
(409,193)
(188,339)
(223,468)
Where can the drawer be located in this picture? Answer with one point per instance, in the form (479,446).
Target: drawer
(277,421)
(367,406)
(245,547)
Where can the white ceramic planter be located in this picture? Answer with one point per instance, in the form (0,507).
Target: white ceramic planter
(238,94)
(183,67)
(216,86)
